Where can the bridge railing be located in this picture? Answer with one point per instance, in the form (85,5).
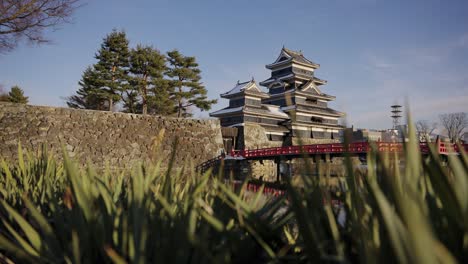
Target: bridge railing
(447,148)
(355,148)
(207,164)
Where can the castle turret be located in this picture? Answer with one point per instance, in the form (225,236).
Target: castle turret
(294,87)
(245,106)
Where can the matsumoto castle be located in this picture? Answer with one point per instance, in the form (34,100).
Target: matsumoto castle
(293,107)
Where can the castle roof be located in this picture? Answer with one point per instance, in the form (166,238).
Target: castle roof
(317,110)
(265,110)
(288,56)
(249,87)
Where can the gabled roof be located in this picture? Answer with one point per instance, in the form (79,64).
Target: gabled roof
(311,86)
(287,56)
(249,87)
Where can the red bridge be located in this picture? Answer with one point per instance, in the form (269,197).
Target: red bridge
(340,149)
(334,149)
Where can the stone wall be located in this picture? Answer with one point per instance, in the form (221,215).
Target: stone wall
(116,139)
(253,136)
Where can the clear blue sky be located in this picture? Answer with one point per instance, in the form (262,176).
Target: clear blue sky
(372,52)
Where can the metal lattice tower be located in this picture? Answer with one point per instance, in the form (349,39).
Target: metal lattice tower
(396,115)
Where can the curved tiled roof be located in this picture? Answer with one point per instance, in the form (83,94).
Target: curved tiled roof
(242,87)
(314,109)
(299,57)
(292,56)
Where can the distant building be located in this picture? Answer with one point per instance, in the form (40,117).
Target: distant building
(293,107)
(366,135)
(373,135)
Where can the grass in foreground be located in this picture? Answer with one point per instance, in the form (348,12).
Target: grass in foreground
(54,213)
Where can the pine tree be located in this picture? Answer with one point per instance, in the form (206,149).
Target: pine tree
(16,95)
(89,96)
(147,67)
(160,102)
(185,80)
(112,67)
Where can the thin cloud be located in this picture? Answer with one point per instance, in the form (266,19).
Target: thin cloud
(376,62)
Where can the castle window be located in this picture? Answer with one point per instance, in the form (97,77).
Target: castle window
(316,119)
(281,72)
(236,102)
(317,134)
(252,102)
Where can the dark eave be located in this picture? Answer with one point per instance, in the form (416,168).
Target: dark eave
(304,94)
(243,93)
(227,111)
(263,112)
(316,124)
(275,128)
(291,123)
(276,79)
(247,110)
(318,110)
(313,110)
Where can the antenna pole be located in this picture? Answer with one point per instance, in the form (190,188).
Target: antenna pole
(396,115)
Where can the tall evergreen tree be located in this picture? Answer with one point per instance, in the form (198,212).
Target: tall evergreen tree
(160,102)
(185,81)
(112,67)
(147,67)
(16,95)
(89,96)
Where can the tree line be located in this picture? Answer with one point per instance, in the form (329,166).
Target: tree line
(455,125)
(141,80)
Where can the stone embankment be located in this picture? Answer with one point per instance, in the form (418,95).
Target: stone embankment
(117,140)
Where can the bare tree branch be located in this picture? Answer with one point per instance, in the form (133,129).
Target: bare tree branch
(425,129)
(27,19)
(455,124)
